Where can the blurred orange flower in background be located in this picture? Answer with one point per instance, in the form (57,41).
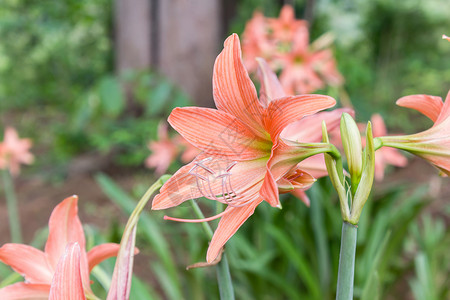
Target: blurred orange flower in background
(165,150)
(284,43)
(14,151)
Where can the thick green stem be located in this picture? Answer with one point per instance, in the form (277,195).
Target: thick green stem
(346,262)
(13,212)
(226,289)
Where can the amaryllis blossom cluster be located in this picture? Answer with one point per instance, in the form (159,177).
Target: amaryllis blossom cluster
(14,151)
(284,43)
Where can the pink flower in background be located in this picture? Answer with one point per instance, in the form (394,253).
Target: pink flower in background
(188,151)
(14,151)
(433,144)
(164,151)
(286,25)
(284,43)
(385,155)
(444,37)
(256,42)
(38,267)
(243,159)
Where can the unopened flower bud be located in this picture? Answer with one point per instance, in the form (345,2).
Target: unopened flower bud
(351,140)
(365,184)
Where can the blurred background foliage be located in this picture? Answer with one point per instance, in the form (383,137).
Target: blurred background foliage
(58,86)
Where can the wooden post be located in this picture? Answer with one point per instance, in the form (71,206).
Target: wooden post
(189,41)
(132,35)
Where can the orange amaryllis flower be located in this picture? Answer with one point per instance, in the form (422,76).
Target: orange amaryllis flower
(384,156)
(38,267)
(243,157)
(14,151)
(432,144)
(306,130)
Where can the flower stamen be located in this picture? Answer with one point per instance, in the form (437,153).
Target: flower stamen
(205,183)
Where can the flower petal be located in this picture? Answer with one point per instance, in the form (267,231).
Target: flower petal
(445,111)
(314,165)
(300,194)
(309,129)
(269,190)
(25,291)
(218,133)
(228,226)
(284,111)
(180,187)
(245,179)
(27,261)
(64,227)
(101,252)
(233,90)
(379,128)
(287,14)
(394,157)
(67,282)
(430,106)
(270,86)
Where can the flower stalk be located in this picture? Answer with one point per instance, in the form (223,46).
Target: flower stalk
(346,262)
(11,203)
(123,270)
(362,170)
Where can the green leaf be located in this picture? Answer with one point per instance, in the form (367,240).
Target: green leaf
(372,286)
(297,259)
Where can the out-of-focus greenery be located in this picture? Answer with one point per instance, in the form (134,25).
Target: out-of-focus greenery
(56,66)
(51,51)
(104,121)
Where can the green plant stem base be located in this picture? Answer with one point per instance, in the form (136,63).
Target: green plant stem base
(346,262)
(12,206)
